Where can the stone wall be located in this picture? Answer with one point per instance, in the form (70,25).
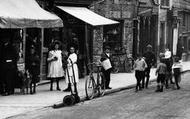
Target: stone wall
(128,36)
(123,10)
(97,43)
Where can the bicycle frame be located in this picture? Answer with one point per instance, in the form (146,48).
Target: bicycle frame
(96,83)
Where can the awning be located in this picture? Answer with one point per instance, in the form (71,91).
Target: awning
(87,16)
(147,12)
(25,14)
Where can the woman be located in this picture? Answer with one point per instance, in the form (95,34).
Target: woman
(71,66)
(55,69)
(33,67)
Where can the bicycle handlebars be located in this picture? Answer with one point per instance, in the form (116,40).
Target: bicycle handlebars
(90,65)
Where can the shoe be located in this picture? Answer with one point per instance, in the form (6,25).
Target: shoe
(158,88)
(167,87)
(108,88)
(178,88)
(5,94)
(51,89)
(161,90)
(58,89)
(67,90)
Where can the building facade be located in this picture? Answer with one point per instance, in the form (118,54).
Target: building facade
(119,36)
(181,15)
(164,24)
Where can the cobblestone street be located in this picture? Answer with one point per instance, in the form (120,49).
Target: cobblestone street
(146,104)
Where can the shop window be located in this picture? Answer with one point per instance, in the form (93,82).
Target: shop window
(165,3)
(116,1)
(183,22)
(113,37)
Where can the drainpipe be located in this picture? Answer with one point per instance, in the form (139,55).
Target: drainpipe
(24,44)
(158,33)
(41,55)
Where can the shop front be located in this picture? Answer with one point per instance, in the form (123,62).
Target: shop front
(79,28)
(23,23)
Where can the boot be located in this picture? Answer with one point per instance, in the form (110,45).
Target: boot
(158,88)
(57,81)
(68,88)
(34,88)
(161,89)
(31,88)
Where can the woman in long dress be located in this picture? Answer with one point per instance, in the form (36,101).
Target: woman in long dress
(55,69)
(71,67)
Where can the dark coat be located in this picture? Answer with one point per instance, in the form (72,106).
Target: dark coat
(104,56)
(9,66)
(150,58)
(9,57)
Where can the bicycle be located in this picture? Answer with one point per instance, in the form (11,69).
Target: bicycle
(94,87)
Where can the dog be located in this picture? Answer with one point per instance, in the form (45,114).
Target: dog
(26,81)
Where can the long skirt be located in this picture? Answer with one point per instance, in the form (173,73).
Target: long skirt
(70,78)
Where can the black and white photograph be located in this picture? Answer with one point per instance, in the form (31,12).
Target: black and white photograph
(94,59)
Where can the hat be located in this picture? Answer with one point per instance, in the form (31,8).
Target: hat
(107,47)
(149,46)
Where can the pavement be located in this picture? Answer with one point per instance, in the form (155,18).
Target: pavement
(19,104)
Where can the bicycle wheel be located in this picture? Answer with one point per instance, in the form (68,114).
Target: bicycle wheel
(102,86)
(90,87)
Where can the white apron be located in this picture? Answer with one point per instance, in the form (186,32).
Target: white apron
(73,58)
(55,69)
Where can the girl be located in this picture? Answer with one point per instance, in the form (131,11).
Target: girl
(72,63)
(55,69)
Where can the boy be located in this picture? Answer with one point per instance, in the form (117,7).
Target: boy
(176,68)
(161,72)
(139,67)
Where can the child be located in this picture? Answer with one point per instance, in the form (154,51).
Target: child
(33,66)
(55,69)
(139,67)
(176,68)
(161,72)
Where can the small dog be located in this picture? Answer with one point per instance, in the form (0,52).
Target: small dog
(26,81)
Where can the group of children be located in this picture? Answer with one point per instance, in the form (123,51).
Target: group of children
(162,72)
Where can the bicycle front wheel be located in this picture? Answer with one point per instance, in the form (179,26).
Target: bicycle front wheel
(102,86)
(90,87)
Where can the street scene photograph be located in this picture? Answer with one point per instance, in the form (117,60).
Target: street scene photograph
(94,59)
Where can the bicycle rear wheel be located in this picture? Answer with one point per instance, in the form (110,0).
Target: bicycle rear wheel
(102,86)
(90,87)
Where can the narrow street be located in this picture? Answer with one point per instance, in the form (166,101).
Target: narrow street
(146,104)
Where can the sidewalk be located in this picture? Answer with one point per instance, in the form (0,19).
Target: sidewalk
(17,104)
